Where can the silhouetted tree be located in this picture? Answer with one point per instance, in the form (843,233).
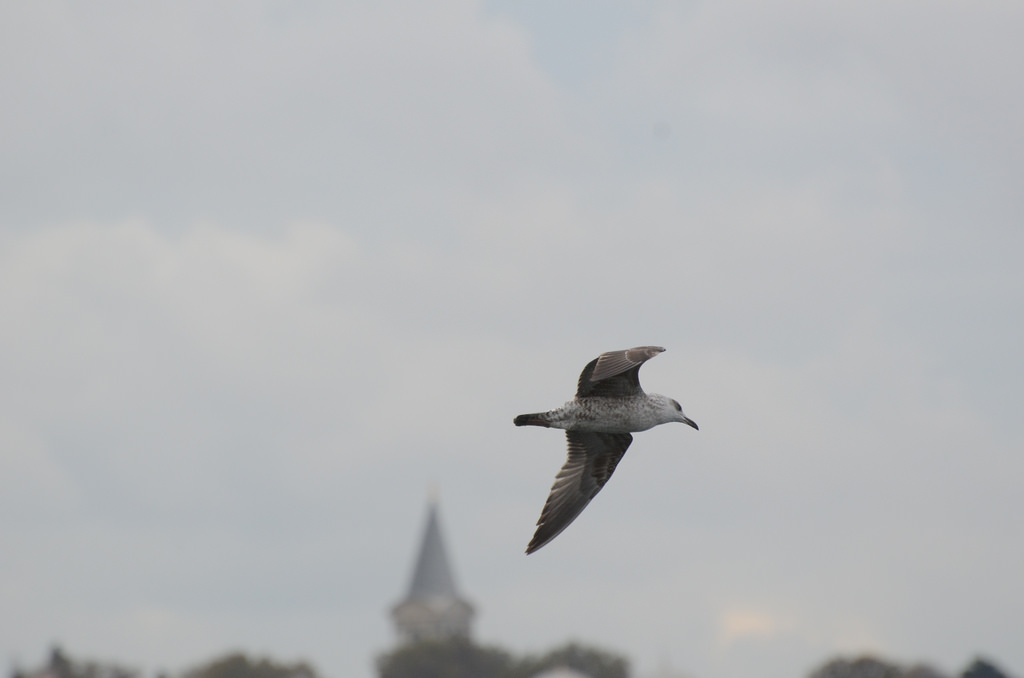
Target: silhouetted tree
(982,669)
(923,671)
(62,666)
(863,667)
(869,667)
(237,665)
(591,661)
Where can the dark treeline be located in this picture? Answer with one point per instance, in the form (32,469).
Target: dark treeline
(232,665)
(463,658)
(870,667)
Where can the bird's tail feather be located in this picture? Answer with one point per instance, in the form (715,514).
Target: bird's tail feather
(535,419)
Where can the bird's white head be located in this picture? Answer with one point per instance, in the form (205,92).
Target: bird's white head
(671,410)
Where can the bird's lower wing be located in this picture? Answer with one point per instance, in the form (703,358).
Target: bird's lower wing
(592,460)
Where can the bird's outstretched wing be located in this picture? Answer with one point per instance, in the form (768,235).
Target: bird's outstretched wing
(615,374)
(591,462)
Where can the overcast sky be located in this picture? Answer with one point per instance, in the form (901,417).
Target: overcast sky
(271,270)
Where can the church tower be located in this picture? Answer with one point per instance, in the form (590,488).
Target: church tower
(433,609)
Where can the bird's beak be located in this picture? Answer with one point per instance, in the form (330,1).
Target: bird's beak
(690,422)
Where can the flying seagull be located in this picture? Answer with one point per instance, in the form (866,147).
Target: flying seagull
(609,405)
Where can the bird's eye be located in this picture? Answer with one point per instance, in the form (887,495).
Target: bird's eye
(679,408)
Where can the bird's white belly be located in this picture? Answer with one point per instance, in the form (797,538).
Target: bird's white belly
(604,415)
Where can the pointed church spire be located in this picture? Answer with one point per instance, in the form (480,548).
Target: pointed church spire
(433,575)
(432,609)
